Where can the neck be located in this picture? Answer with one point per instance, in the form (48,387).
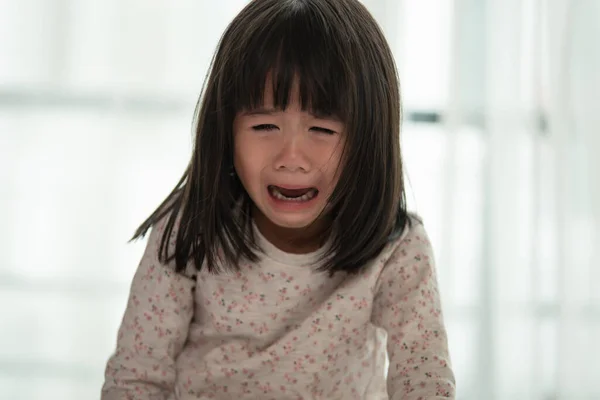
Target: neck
(293,240)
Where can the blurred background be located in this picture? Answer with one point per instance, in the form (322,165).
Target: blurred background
(500,139)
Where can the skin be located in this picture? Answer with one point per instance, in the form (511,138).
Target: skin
(290,148)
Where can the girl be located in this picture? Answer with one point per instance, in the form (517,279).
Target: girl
(284,264)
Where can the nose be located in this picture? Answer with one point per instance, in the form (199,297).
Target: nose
(292,154)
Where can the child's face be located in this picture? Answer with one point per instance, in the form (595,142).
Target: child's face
(288,160)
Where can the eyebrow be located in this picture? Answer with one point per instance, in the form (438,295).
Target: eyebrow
(271,111)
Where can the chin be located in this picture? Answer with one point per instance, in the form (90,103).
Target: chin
(291,222)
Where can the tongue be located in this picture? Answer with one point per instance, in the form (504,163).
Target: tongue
(292,192)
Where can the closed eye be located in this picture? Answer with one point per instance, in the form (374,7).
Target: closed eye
(264,127)
(322,130)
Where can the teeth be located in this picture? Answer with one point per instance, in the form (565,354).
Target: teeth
(305,197)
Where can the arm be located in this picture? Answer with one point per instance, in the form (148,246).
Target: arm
(407,305)
(153,330)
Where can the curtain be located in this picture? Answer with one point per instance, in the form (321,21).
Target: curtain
(517,226)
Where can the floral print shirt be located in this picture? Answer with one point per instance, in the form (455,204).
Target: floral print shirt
(280,329)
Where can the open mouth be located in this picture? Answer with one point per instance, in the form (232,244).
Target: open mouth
(298,195)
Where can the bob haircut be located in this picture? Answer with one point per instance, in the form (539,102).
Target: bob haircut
(343,65)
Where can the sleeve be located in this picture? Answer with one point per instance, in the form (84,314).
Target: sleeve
(153,330)
(407,305)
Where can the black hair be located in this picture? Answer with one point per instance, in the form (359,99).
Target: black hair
(344,66)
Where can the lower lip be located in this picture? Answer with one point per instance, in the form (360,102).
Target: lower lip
(291,205)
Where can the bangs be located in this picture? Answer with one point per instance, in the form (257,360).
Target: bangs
(297,48)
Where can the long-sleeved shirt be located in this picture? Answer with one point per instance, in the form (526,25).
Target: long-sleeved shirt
(280,329)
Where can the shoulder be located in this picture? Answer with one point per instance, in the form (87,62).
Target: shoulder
(412,247)
(163,242)
(412,241)
(408,260)
(412,237)
(165,228)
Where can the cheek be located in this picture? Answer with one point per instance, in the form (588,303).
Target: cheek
(240,159)
(247,163)
(334,162)
(243,167)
